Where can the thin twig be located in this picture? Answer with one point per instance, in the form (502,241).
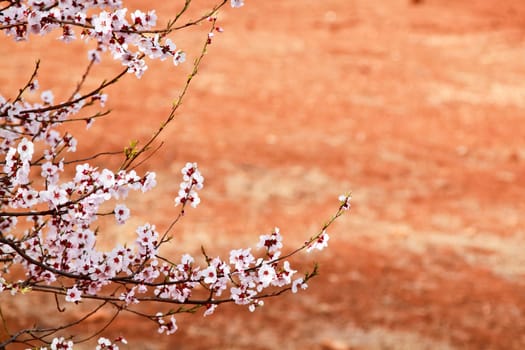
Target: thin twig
(29,82)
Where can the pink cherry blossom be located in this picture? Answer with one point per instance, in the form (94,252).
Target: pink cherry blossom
(237,3)
(241,258)
(345,201)
(73,295)
(102,23)
(266,275)
(210,309)
(25,149)
(61,344)
(47,97)
(170,327)
(320,243)
(121,213)
(209,275)
(298,283)
(272,243)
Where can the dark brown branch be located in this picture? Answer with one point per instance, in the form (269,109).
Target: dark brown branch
(14,337)
(93,157)
(95,91)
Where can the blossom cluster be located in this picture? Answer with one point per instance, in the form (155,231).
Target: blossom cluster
(243,276)
(192,181)
(128,37)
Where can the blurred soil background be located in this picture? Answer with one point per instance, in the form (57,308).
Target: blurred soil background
(417,107)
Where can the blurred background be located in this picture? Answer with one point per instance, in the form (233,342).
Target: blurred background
(417,107)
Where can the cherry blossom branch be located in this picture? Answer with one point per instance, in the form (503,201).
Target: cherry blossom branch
(132,30)
(68,103)
(133,156)
(57,249)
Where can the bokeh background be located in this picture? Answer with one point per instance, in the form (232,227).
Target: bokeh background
(417,107)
